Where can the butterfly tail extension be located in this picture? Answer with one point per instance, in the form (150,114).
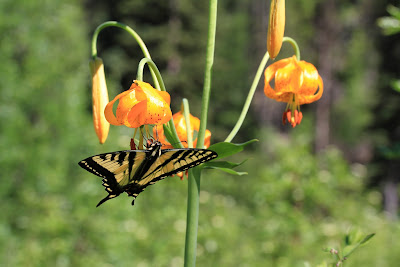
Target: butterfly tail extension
(110,196)
(134,192)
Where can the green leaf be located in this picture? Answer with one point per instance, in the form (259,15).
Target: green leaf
(222,164)
(394,11)
(168,134)
(230,171)
(396,85)
(389,25)
(353,237)
(351,248)
(225,149)
(366,238)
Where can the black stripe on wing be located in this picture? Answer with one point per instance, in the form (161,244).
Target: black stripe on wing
(133,170)
(189,159)
(173,160)
(114,168)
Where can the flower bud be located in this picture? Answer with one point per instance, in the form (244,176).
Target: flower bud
(100,99)
(276,27)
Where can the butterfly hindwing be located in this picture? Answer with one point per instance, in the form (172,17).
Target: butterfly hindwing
(133,170)
(115,169)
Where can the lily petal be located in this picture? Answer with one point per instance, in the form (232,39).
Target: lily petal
(108,111)
(309,99)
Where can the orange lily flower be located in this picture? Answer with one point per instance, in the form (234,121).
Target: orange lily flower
(140,105)
(180,125)
(296,83)
(99,99)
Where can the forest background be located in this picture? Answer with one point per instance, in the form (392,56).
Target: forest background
(306,187)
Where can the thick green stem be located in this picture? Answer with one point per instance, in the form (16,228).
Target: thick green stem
(131,32)
(194,174)
(208,70)
(246,105)
(192,219)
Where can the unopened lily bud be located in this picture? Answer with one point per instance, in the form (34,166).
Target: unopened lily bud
(276,27)
(100,99)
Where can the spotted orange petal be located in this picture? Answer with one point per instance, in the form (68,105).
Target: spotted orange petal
(158,111)
(309,79)
(304,99)
(108,111)
(273,71)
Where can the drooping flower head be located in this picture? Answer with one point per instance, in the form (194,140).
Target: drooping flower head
(181,129)
(296,83)
(140,105)
(99,99)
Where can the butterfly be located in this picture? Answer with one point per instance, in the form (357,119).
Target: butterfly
(131,171)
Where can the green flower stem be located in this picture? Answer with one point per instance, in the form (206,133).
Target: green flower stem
(192,219)
(246,106)
(253,87)
(153,67)
(173,134)
(193,202)
(169,128)
(194,173)
(131,32)
(294,45)
(208,70)
(186,114)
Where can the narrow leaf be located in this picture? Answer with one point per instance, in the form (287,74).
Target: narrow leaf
(366,238)
(225,149)
(222,164)
(394,11)
(350,249)
(230,171)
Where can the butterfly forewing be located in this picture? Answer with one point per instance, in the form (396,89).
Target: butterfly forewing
(173,161)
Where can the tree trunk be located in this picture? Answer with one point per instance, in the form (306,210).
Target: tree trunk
(390,187)
(327,33)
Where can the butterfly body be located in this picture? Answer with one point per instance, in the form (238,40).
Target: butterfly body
(131,171)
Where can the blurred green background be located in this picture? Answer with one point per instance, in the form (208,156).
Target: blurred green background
(306,187)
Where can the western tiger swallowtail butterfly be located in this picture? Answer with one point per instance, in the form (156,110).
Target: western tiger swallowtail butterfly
(131,171)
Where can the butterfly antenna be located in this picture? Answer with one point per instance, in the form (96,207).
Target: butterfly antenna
(178,143)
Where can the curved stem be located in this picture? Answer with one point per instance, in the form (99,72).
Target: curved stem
(131,32)
(249,98)
(153,67)
(169,128)
(294,45)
